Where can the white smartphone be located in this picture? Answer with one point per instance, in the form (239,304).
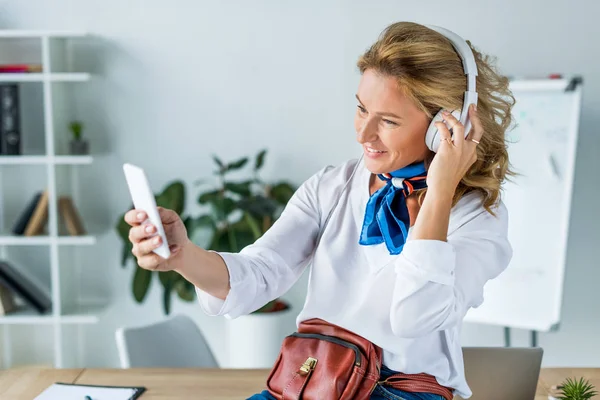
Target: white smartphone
(143,199)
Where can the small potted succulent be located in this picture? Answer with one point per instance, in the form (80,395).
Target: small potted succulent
(78,145)
(573,389)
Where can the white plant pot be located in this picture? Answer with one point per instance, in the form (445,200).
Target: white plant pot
(254,340)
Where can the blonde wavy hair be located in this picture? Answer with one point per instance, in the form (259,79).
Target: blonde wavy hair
(430,72)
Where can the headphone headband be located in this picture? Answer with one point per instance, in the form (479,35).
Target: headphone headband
(432,138)
(465,53)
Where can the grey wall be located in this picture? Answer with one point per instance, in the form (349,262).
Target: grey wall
(181,80)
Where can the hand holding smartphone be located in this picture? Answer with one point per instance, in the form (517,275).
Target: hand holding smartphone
(143,199)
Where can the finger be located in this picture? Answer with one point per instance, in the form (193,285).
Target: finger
(135,217)
(141,232)
(445,136)
(144,247)
(457,128)
(150,261)
(147,245)
(477,130)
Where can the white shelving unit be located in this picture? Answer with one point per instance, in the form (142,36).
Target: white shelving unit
(67,309)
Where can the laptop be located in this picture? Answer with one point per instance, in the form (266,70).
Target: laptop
(502,373)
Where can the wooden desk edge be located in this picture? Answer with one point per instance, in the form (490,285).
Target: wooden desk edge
(26,380)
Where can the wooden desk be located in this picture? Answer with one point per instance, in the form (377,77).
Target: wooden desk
(200,384)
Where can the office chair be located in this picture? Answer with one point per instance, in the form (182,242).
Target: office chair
(172,343)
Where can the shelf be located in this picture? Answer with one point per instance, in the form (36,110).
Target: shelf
(23,160)
(15,33)
(39,77)
(36,160)
(88,314)
(73,160)
(69,76)
(21,77)
(84,240)
(14,240)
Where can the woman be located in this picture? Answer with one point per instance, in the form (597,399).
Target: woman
(399,265)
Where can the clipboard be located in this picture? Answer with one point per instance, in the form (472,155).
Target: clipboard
(68,391)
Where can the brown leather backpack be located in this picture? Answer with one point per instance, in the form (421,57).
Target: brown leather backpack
(322,361)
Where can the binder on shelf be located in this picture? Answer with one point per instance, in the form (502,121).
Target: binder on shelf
(21,224)
(70,216)
(37,222)
(25,288)
(10,119)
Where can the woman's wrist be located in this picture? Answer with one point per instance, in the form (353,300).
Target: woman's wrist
(183,261)
(439,194)
(204,269)
(434,215)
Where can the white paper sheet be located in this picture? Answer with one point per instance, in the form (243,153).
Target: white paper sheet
(78,392)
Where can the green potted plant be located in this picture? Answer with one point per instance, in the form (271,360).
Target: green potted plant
(78,145)
(242,211)
(237,213)
(573,389)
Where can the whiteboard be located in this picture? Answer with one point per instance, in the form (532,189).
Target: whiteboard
(542,149)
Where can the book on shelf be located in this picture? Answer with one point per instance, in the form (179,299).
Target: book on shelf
(37,222)
(21,223)
(34,217)
(70,216)
(7,300)
(20,68)
(23,286)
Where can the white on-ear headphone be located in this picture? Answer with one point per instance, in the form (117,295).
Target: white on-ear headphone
(432,137)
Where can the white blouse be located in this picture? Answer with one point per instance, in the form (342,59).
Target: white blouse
(411,305)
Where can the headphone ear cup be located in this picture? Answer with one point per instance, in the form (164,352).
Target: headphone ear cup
(432,138)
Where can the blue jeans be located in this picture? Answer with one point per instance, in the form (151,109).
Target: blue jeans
(380,393)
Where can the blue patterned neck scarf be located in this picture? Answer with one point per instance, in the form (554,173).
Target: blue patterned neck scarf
(386,218)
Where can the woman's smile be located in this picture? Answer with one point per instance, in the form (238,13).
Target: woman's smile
(373,153)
